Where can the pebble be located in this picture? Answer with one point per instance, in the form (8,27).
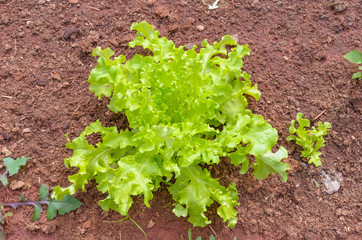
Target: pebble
(8,47)
(235,37)
(339,6)
(26,130)
(48,228)
(189,46)
(150,224)
(14,185)
(87,224)
(73,1)
(150,2)
(162,12)
(93,36)
(200,28)
(254,3)
(268,211)
(41,82)
(55,76)
(6,152)
(173,28)
(5,135)
(15,130)
(332,185)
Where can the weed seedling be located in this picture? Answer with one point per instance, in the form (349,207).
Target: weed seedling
(62,207)
(355,56)
(12,167)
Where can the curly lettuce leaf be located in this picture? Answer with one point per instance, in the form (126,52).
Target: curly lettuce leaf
(195,190)
(271,163)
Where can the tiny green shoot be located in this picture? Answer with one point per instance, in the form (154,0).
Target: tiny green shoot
(355,56)
(212,237)
(134,222)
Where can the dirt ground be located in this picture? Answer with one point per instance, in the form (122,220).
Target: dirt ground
(297,50)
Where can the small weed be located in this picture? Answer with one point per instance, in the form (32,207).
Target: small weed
(12,167)
(355,56)
(62,207)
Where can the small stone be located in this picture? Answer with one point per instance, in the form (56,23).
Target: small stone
(311,236)
(189,46)
(41,82)
(183,3)
(14,185)
(32,227)
(114,42)
(26,130)
(151,2)
(93,36)
(332,185)
(52,6)
(86,46)
(174,28)
(162,12)
(150,224)
(55,76)
(235,37)
(73,1)
(339,6)
(268,211)
(65,85)
(254,3)
(41,1)
(200,28)
(87,224)
(6,152)
(8,47)
(15,130)
(48,228)
(339,212)
(27,186)
(5,135)
(174,18)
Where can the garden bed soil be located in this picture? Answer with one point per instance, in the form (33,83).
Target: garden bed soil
(297,50)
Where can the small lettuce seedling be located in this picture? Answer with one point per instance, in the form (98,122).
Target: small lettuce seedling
(355,56)
(12,167)
(310,140)
(62,207)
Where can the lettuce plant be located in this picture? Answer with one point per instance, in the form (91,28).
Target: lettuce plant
(185,109)
(310,140)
